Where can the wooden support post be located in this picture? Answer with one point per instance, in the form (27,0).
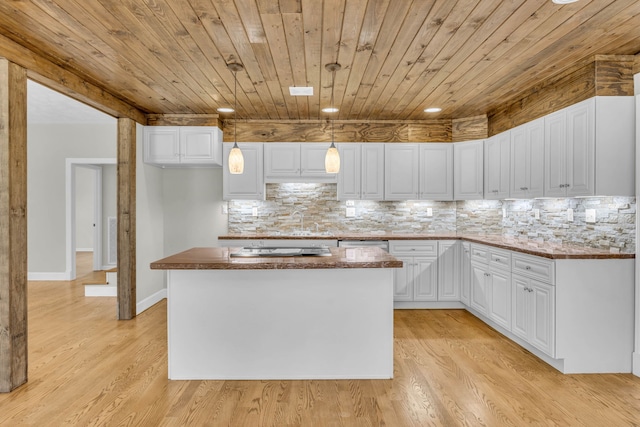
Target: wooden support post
(126,219)
(13,226)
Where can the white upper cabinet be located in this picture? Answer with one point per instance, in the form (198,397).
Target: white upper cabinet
(296,162)
(527,160)
(248,185)
(361,173)
(589,148)
(468,170)
(496,166)
(401,165)
(436,171)
(183,146)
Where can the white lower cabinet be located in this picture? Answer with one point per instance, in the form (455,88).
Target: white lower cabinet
(465,273)
(533,308)
(448,270)
(491,284)
(417,280)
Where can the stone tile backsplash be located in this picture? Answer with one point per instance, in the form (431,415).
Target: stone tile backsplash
(614,228)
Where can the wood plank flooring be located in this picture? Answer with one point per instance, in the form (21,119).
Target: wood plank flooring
(87,368)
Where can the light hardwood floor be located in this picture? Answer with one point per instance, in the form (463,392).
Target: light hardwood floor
(87,368)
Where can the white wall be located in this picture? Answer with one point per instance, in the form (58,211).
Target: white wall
(150,284)
(48,145)
(192,208)
(85,205)
(109,205)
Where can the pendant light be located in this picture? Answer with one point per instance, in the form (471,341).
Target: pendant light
(236,159)
(332,158)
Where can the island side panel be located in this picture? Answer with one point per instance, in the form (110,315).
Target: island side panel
(280,324)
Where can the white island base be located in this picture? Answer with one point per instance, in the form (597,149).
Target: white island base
(280,324)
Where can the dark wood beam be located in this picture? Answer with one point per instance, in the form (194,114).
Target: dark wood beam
(13,226)
(126,219)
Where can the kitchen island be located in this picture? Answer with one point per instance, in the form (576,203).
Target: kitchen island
(328,317)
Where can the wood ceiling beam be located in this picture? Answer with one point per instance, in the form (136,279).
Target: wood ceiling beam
(55,77)
(184,120)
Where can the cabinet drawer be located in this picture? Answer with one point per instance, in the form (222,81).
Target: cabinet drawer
(480,253)
(500,259)
(535,267)
(413,247)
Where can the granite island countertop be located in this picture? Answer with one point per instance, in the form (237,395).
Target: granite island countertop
(528,246)
(220,259)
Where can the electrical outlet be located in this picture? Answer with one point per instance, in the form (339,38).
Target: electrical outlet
(254,211)
(504,212)
(570,215)
(224,209)
(590,215)
(536,213)
(351,212)
(350,203)
(429,211)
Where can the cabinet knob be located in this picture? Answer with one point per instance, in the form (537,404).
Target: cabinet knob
(527,268)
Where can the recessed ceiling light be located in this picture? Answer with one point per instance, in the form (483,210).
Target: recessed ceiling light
(330,110)
(225,110)
(433,110)
(300,91)
(563,1)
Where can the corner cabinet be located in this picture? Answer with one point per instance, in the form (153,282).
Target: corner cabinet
(250,184)
(183,146)
(527,160)
(417,280)
(468,170)
(361,175)
(496,166)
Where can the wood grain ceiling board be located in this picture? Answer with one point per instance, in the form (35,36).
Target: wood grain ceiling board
(398,56)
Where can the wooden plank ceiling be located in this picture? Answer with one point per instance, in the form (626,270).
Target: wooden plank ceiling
(398,56)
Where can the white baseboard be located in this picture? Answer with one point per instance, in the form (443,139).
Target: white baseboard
(84,249)
(100,290)
(51,276)
(151,301)
(636,364)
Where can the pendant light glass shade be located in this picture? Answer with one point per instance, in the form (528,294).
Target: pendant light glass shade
(236,159)
(332,158)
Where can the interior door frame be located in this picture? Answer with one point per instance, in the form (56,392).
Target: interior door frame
(70,215)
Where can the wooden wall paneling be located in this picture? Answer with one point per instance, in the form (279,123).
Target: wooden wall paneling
(636,64)
(345,131)
(13,226)
(614,75)
(604,76)
(184,120)
(126,206)
(312,28)
(293,30)
(468,128)
(55,77)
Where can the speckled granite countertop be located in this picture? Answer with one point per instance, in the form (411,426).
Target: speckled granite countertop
(219,259)
(545,250)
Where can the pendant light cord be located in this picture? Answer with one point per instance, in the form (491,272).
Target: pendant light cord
(235,108)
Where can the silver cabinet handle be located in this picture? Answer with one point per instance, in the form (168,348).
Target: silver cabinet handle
(527,268)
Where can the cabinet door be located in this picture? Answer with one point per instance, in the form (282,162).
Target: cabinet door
(468,170)
(555,154)
(401,165)
(465,274)
(349,176)
(542,306)
(496,166)
(436,171)
(448,270)
(250,184)
(581,149)
(162,144)
(200,145)
(281,160)
(499,307)
(403,280)
(312,157)
(479,288)
(372,166)
(425,279)
(520,313)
